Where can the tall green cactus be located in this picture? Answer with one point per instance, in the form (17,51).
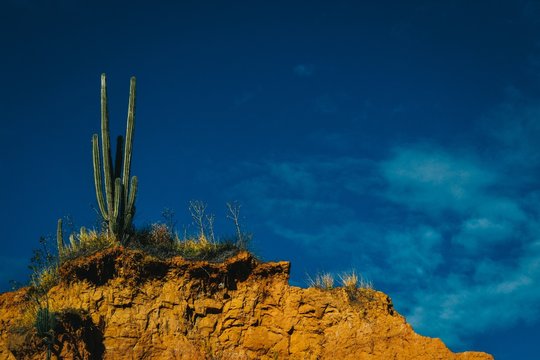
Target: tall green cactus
(60,239)
(118,205)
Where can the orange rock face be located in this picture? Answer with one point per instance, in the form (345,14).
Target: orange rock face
(122,304)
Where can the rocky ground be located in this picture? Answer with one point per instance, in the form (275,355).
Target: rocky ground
(123,304)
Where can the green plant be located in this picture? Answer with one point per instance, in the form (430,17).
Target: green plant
(38,313)
(60,239)
(118,205)
(85,243)
(44,268)
(45,323)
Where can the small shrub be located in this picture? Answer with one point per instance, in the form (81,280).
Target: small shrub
(44,269)
(364,283)
(85,243)
(324,281)
(160,235)
(352,281)
(47,278)
(349,280)
(195,249)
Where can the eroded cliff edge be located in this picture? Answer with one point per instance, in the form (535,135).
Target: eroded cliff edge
(123,304)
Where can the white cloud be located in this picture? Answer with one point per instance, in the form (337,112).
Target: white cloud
(461,307)
(430,178)
(432,226)
(481,232)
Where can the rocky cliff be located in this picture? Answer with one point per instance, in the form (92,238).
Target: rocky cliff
(123,304)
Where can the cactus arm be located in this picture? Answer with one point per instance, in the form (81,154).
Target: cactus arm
(130,204)
(117,200)
(129,138)
(106,143)
(97,178)
(118,159)
(132,195)
(60,238)
(133,192)
(127,222)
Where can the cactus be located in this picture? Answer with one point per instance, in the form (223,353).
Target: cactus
(45,324)
(60,239)
(117,206)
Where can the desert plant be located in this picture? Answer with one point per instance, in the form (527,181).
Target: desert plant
(168,216)
(82,243)
(197,210)
(118,205)
(160,235)
(210,222)
(355,286)
(60,238)
(324,281)
(44,323)
(233,213)
(364,283)
(44,268)
(349,280)
(38,313)
(193,249)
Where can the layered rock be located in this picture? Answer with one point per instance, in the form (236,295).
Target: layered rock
(123,304)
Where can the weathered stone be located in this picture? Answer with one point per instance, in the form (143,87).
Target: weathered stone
(187,314)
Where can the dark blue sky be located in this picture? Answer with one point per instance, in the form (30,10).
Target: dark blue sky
(397,138)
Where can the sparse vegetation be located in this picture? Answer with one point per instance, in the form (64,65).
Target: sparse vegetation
(116,193)
(38,315)
(350,281)
(44,269)
(162,241)
(324,281)
(83,243)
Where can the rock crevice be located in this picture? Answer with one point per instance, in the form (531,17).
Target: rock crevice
(123,304)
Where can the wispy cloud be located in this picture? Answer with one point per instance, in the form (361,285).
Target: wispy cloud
(428,177)
(451,232)
(434,226)
(462,196)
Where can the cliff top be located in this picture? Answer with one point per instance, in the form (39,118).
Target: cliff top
(122,303)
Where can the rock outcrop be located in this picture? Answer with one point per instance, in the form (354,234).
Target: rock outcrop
(123,304)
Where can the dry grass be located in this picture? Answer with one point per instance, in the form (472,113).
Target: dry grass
(324,281)
(352,281)
(202,249)
(86,243)
(349,280)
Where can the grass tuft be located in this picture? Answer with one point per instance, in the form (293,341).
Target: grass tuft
(324,281)
(86,243)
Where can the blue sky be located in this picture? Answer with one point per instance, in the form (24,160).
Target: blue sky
(400,139)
